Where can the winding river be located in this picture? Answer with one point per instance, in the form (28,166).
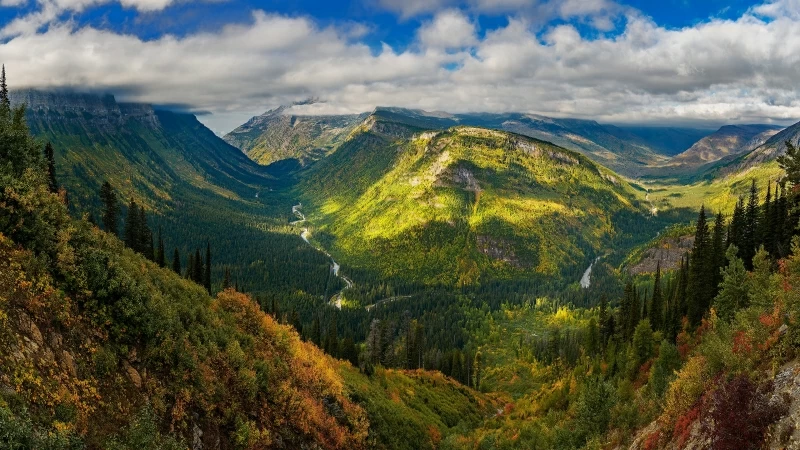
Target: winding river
(336,299)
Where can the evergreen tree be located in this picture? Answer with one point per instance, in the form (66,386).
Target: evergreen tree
(190,266)
(161,258)
(349,351)
(789,162)
(643,342)
(737,226)
(49,156)
(207,273)
(603,318)
(226,283)
(332,338)
(176,261)
(716,255)
(197,273)
(132,226)
(664,368)
(626,311)
(478,369)
(636,311)
(657,305)
(749,243)
(110,217)
(5,100)
(698,290)
(316,332)
(145,236)
(778,222)
(766,223)
(734,291)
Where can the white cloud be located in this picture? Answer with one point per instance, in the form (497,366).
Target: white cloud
(50,10)
(450,29)
(779,8)
(741,70)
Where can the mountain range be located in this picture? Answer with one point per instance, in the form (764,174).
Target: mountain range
(416,280)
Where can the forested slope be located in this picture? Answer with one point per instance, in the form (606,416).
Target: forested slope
(465,205)
(102,348)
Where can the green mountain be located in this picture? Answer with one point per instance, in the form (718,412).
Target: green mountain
(466,205)
(194,186)
(278,135)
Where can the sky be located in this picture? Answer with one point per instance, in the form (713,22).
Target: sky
(667,62)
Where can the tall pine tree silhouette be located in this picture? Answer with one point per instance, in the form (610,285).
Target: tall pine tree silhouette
(750,237)
(207,273)
(697,290)
(176,261)
(5,100)
(657,305)
(160,256)
(110,217)
(49,156)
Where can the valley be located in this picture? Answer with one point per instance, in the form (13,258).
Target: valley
(428,266)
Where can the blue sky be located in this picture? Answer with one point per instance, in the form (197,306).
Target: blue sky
(630,61)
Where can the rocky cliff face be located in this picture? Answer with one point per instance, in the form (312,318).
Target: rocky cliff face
(87,110)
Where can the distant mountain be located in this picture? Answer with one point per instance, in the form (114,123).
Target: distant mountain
(278,135)
(757,156)
(465,204)
(729,140)
(668,141)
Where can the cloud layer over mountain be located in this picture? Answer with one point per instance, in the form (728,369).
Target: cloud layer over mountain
(625,68)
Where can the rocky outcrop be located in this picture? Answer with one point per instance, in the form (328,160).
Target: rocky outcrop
(90,111)
(668,253)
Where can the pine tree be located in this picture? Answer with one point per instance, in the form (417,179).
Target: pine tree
(603,318)
(697,289)
(160,256)
(734,290)
(226,283)
(625,311)
(132,226)
(716,255)
(657,305)
(478,369)
(316,333)
(332,338)
(197,273)
(144,235)
(636,311)
(766,224)
(737,226)
(749,243)
(789,162)
(110,217)
(5,100)
(190,266)
(176,261)
(49,156)
(207,273)
(778,220)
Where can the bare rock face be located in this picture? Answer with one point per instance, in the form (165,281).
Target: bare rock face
(668,254)
(133,374)
(498,249)
(91,111)
(785,434)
